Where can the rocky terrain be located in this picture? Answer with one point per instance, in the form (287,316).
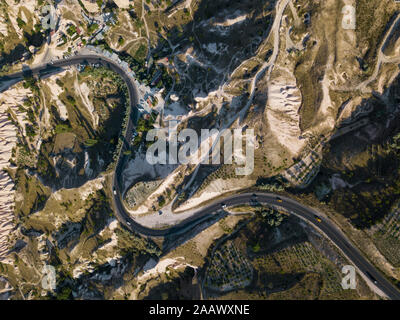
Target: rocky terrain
(322,100)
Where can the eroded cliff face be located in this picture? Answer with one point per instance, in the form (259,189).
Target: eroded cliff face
(52,138)
(10,117)
(286,69)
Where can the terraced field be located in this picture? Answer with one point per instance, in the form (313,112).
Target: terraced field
(302,258)
(387,237)
(229,269)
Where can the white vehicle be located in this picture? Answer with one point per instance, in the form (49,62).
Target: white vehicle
(128,223)
(115,192)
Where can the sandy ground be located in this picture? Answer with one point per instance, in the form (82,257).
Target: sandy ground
(13,11)
(56,90)
(326,100)
(3,26)
(231,21)
(122,3)
(41,56)
(91,7)
(215,189)
(349,108)
(140,167)
(284,101)
(153,269)
(187,210)
(144,208)
(84,91)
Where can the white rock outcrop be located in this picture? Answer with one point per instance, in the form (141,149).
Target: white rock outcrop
(9,100)
(284,101)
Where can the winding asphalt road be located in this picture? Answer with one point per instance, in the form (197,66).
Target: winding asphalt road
(296,208)
(312,217)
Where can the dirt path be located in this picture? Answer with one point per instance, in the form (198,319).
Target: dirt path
(382,58)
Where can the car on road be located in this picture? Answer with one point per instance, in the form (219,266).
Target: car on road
(160,212)
(128,223)
(371,277)
(114,191)
(279,200)
(223,205)
(317,218)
